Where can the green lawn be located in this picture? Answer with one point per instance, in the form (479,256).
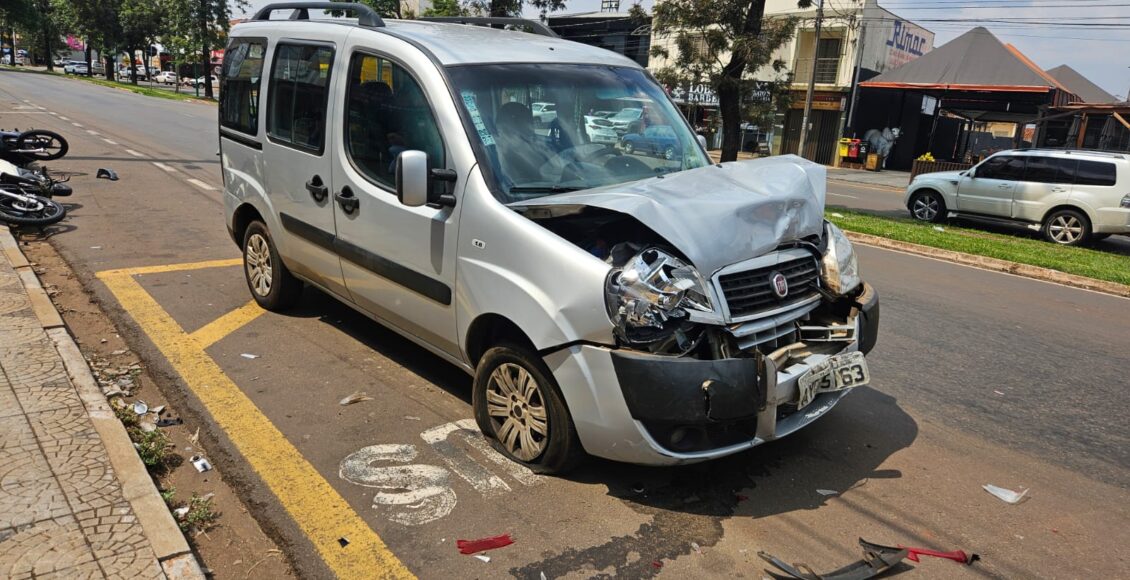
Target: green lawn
(1014,248)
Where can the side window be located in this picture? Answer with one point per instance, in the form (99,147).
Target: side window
(387,114)
(1095,173)
(1050,170)
(296,110)
(1002,167)
(239,85)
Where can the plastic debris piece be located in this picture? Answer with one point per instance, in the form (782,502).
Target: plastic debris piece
(939,229)
(912,554)
(411,418)
(1005,495)
(837,215)
(483,544)
(157,409)
(248,355)
(169,422)
(741,497)
(876,560)
(827,492)
(998,393)
(140,408)
(483,557)
(95,247)
(696,548)
(355,398)
(201,464)
(343,541)
(105,173)
(638,488)
(541,576)
(656,564)
(181,512)
(119,351)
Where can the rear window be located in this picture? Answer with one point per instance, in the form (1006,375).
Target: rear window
(1095,173)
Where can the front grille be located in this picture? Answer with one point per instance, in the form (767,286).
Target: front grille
(751,292)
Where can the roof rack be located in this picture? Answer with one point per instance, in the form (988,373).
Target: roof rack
(534,26)
(365,15)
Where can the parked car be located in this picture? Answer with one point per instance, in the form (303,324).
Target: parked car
(69,66)
(658,140)
(599,129)
(623,118)
(658,313)
(1071,197)
(199,81)
(166,77)
(544,113)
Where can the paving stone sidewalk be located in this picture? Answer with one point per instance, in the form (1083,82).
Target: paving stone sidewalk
(64,510)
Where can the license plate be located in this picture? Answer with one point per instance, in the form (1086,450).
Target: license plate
(839,372)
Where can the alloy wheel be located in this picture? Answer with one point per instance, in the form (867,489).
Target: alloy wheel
(925,207)
(517,408)
(1065,229)
(258,260)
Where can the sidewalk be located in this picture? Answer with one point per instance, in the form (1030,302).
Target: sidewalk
(886,178)
(75,500)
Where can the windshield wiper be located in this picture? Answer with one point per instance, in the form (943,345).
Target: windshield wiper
(543,189)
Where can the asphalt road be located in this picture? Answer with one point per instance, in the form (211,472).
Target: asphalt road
(979,377)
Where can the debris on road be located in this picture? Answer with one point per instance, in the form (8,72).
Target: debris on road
(140,408)
(939,229)
(355,398)
(876,560)
(201,464)
(958,556)
(827,492)
(157,409)
(195,438)
(656,564)
(250,356)
(483,544)
(1005,495)
(106,173)
(837,215)
(483,557)
(343,541)
(696,548)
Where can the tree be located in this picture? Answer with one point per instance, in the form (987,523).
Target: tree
(141,22)
(719,42)
(98,22)
(446,8)
(205,25)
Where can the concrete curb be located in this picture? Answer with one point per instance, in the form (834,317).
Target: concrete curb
(996,265)
(161,529)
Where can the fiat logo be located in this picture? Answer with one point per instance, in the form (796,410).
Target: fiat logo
(780,284)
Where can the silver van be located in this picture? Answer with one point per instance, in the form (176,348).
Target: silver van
(1071,197)
(643,309)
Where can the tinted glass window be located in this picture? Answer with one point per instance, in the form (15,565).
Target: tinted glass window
(1002,167)
(1050,170)
(386,114)
(1095,173)
(239,89)
(300,79)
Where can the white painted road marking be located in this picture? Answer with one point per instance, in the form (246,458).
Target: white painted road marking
(111,142)
(416,494)
(842,195)
(134,153)
(62,118)
(164,167)
(93,132)
(79,125)
(201,184)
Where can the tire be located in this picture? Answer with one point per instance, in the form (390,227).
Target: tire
(272,286)
(1067,227)
(927,206)
(628,148)
(669,153)
(1099,237)
(53,142)
(556,451)
(40,212)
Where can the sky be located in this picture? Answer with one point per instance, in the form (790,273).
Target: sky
(1077,33)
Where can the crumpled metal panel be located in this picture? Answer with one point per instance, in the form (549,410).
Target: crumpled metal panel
(718,215)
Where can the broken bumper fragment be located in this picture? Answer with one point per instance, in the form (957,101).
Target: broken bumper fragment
(661,410)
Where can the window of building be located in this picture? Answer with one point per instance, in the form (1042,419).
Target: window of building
(296,111)
(387,114)
(828,60)
(239,85)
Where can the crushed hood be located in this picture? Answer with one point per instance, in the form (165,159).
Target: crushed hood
(717,215)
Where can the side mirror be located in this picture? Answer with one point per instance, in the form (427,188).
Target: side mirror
(701,140)
(412,178)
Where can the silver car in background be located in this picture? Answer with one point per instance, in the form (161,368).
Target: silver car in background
(646,310)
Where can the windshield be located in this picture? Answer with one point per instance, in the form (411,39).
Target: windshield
(550,128)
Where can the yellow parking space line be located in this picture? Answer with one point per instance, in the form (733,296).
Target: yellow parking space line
(216,330)
(318,509)
(172,267)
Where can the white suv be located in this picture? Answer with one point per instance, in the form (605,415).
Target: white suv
(1072,197)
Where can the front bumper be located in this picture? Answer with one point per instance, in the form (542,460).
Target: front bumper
(663,410)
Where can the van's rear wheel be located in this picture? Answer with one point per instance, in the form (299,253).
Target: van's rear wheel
(518,404)
(271,284)
(1067,227)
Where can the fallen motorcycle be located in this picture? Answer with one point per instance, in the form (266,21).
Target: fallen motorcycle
(23,147)
(25,197)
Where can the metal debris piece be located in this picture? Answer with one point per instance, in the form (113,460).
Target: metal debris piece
(105,173)
(876,560)
(140,408)
(201,464)
(355,398)
(1005,495)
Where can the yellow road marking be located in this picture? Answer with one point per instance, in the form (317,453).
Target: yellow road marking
(172,267)
(320,512)
(212,332)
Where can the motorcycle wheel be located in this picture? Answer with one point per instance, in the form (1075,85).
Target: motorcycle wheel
(31,210)
(53,144)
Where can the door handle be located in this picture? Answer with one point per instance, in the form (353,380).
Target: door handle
(317,189)
(347,201)
(1005,186)
(1059,189)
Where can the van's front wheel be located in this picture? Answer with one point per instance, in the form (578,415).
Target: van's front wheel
(517,403)
(271,284)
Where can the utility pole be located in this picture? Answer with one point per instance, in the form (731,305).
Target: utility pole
(855,76)
(811,80)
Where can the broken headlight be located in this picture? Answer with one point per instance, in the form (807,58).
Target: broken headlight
(654,287)
(838,268)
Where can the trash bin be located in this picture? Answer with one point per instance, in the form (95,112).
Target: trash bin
(872,162)
(845,147)
(853,149)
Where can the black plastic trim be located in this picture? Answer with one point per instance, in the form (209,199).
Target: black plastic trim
(680,390)
(310,233)
(241,139)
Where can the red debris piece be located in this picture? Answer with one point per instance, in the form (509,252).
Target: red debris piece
(483,544)
(657,564)
(957,555)
(742,497)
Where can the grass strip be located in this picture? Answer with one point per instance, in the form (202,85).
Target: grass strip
(1013,248)
(139,88)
